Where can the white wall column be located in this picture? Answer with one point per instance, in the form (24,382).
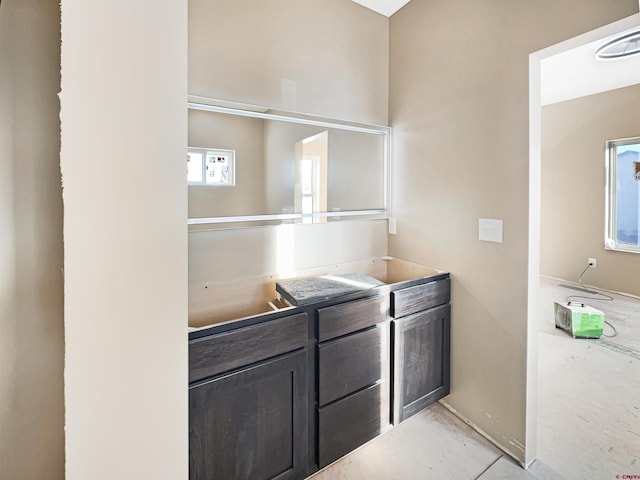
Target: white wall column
(124,139)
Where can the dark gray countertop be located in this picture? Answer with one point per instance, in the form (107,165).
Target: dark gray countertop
(306,290)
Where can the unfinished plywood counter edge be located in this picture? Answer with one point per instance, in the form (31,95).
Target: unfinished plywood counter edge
(219,303)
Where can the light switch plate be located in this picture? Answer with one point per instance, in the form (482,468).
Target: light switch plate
(490,230)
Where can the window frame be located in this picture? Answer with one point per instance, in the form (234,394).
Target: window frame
(611,228)
(205,152)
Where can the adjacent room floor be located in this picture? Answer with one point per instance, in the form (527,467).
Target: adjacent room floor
(588,418)
(589,390)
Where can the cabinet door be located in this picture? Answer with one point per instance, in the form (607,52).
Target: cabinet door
(421,360)
(252,423)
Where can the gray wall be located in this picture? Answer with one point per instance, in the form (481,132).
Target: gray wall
(573,188)
(31,252)
(459,78)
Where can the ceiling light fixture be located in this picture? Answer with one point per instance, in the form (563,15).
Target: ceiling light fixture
(621,47)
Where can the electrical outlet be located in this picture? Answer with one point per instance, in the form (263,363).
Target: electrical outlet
(393,228)
(593,263)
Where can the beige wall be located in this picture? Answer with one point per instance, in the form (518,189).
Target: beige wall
(573,188)
(124,140)
(282,248)
(321,57)
(326,57)
(356,171)
(459,109)
(31,254)
(245,136)
(355,167)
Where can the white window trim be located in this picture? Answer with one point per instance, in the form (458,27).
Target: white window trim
(610,242)
(231,154)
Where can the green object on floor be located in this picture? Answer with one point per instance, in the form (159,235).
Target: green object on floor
(581,320)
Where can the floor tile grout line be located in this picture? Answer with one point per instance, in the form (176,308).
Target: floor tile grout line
(489,467)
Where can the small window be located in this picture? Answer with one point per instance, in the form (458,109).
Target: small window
(623,195)
(212,167)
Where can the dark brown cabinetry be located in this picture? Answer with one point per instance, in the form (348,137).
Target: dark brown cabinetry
(237,347)
(251,421)
(406,301)
(353,376)
(250,424)
(421,347)
(283,394)
(345,425)
(351,363)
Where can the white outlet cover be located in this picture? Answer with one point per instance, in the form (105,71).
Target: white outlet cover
(393,229)
(490,230)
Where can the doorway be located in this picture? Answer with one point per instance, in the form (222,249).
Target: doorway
(551,82)
(312,155)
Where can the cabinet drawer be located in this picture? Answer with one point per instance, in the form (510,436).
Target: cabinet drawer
(345,425)
(236,348)
(350,317)
(421,297)
(351,363)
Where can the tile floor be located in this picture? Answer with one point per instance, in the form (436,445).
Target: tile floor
(433,444)
(588,418)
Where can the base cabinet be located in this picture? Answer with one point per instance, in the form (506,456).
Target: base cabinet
(251,423)
(282,395)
